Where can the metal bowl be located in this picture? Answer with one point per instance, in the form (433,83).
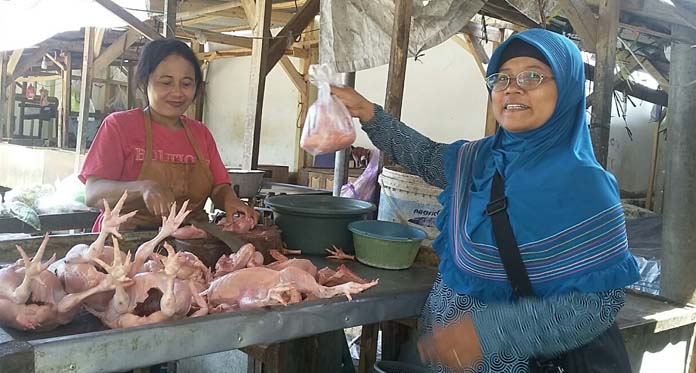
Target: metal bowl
(246,183)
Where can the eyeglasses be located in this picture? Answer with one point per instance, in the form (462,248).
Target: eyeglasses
(526,80)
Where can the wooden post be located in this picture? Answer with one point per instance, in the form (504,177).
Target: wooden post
(3,93)
(9,123)
(302,158)
(85,95)
(65,102)
(131,87)
(199,102)
(649,197)
(604,77)
(170,19)
(678,278)
(368,347)
(399,54)
(257,85)
(391,331)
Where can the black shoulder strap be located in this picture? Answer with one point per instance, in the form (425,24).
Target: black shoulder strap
(505,239)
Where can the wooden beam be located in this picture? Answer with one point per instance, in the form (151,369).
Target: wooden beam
(198,9)
(66,101)
(249,7)
(14,60)
(631,66)
(396,75)
(116,49)
(288,67)
(134,22)
(85,95)
(604,78)
(198,20)
(476,47)
(257,85)
(292,4)
(295,77)
(214,37)
(582,19)
(27,62)
(466,43)
(60,65)
(239,13)
(294,27)
(170,19)
(655,73)
(98,40)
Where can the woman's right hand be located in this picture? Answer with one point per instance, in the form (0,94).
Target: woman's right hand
(158,199)
(357,105)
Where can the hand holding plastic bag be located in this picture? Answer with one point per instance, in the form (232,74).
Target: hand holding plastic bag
(329,126)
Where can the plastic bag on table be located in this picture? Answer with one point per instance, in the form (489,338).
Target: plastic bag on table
(68,196)
(329,125)
(365,185)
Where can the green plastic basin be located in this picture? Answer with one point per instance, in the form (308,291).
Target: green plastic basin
(313,223)
(384,244)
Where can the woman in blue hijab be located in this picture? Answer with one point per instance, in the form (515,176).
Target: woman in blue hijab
(564,212)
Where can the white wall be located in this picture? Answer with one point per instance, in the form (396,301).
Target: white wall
(226,108)
(630,159)
(445,99)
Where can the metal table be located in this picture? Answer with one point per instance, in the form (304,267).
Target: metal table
(85,345)
(51,222)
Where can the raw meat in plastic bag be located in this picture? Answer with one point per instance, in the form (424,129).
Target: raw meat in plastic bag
(329,125)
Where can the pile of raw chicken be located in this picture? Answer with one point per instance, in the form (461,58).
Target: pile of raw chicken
(124,290)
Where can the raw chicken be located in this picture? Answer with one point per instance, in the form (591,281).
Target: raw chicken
(237,224)
(328,277)
(338,254)
(32,298)
(189,232)
(79,272)
(246,256)
(259,286)
(283,262)
(153,296)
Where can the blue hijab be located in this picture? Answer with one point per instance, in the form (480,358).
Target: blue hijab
(564,208)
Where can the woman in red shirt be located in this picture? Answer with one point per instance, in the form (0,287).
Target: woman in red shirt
(157,154)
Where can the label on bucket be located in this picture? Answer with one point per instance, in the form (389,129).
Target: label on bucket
(409,212)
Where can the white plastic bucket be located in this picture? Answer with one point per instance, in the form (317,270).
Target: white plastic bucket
(407,199)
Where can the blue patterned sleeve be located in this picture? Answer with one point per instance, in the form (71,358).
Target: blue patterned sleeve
(546,327)
(408,148)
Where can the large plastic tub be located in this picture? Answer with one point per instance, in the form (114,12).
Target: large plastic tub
(314,223)
(384,244)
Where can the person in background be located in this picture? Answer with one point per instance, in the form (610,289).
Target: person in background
(564,211)
(157,154)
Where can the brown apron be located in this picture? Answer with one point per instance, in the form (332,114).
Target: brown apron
(188,181)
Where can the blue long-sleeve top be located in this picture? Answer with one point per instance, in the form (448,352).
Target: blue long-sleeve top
(530,326)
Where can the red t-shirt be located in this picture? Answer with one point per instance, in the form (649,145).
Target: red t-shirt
(118,150)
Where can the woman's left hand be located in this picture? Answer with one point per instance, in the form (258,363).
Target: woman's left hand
(455,345)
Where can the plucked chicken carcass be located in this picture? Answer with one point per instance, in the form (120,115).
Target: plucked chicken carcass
(150,297)
(246,256)
(237,224)
(80,270)
(261,286)
(32,298)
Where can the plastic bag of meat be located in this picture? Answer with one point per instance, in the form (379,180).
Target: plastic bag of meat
(329,126)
